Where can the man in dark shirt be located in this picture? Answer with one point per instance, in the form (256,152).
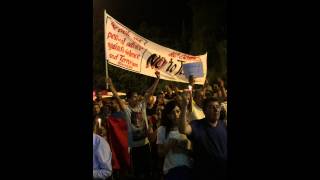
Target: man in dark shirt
(209,141)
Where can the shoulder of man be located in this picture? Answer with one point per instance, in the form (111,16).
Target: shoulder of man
(197,122)
(96,139)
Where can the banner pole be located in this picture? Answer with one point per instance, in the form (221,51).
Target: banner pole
(106,59)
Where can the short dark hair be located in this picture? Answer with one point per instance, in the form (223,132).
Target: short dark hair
(130,94)
(208,100)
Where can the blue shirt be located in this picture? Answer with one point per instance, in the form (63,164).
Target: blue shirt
(209,147)
(102,167)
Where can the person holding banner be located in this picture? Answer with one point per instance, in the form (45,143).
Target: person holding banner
(99,100)
(138,129)
(118,140)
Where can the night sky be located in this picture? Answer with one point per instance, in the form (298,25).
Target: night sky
(165,14)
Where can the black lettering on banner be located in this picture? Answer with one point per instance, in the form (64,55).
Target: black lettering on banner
(156,61)
(181,69)
(169,65)
(173,68)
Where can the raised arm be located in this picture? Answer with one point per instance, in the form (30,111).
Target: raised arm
(184,127)
(222,89)
(115,94)
(190,87)
(151,90)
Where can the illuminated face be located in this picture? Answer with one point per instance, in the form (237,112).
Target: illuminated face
(96,108)
(174,115)
(212,111)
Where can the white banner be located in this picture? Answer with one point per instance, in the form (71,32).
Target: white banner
(128,50)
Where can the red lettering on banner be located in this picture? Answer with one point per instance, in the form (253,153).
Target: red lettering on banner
(189,58)
(137,39)
(113,56)
(174,54)
(125,32)
(134,46)
(132,54)
(184,57)
(116,37)
(124,65)
(127,62)
(115,47)
(114,26)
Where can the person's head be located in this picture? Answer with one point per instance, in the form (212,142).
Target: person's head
(96,109)
(132,98)
(160,98)
(208,94)
(215,91)
(191,79)
(199,97)
(114,105)
(159,112)
(171,114)
(105,109)
(215,87)
(151,100)
(212,109)
(99,95)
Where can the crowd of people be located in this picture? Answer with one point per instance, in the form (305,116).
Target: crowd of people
(175,134)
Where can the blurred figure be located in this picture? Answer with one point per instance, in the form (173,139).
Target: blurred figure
(102,168)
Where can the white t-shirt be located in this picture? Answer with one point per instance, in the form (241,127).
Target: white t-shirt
(137,125)
(171,159)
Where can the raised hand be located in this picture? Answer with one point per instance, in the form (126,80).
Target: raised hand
(185,99)
(221,82)
(191,80)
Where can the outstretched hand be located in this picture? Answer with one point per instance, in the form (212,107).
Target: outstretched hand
(221,82)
